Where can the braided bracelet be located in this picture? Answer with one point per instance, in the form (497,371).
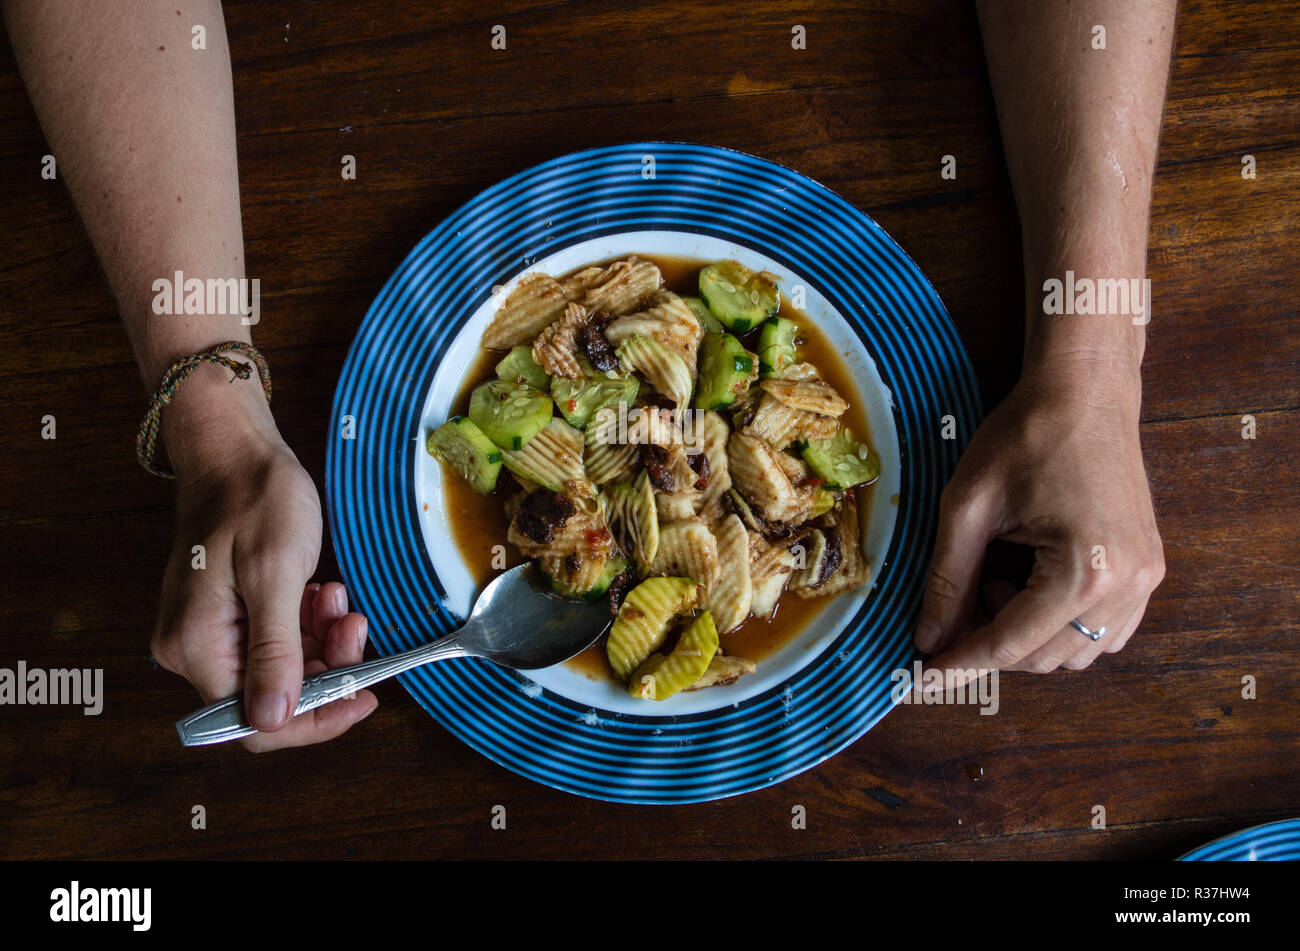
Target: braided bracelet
(146,440)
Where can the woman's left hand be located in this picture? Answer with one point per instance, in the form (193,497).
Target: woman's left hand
(1057,466)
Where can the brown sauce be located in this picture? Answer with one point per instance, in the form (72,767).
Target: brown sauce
(479,524)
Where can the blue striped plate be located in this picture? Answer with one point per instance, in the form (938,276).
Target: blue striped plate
(1273,842)
(413,349)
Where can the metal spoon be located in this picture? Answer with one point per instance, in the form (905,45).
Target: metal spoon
(514,624)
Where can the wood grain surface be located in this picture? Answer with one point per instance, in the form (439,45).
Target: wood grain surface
(1159,734)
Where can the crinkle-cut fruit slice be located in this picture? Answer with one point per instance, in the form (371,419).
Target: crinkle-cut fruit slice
(660,679)
(854,569)
(795,470)
(728,599)
(781,425)
(713,432)
(537,301)
(757,473)
(642,622)
(743,410)
(583,535)
(651,662)
(687,547)
(675,506)
(568,523)
(576,285)
(645,426)
(811,396)
(820,555)
(774,422)
(617,421)
(552,458)
(606,462)
(685,500)
(667,319)
(823,501)
(616,289)
(556,348)
(800,371)
(724,669)
(735,502)
(634,520)
(770,567)
(663,369)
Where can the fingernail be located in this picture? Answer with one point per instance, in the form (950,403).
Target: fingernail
(340,601)
(361,637)
(927,634)
(269,709)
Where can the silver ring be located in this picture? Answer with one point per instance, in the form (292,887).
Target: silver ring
(1094,635)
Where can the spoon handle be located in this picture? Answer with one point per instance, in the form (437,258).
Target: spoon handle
(224,720)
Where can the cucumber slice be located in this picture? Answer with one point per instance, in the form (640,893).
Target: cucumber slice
(737,296)
(578,400)
(518,366)
(841,462)
(462,445)
(658,678)
(615,565)
(776,349)
(509,414)
(725,370)
(710,323)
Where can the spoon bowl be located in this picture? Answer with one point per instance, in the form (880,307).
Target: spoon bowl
(518,624)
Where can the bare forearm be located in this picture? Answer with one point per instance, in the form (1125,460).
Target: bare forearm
(1080,126)
(142,127)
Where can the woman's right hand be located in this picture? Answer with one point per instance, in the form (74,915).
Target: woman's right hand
(241,616)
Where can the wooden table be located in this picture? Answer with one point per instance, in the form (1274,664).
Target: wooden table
(1159,734)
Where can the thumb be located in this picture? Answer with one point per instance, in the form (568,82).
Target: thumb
(273,673)
(966,526)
